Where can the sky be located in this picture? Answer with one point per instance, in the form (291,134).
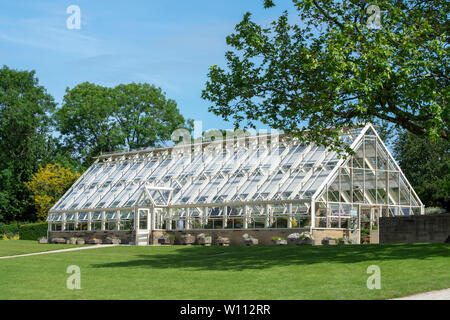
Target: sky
(168,43)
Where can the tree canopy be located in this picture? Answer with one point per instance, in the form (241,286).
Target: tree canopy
(426,164)
(49,184)
(37,165)
(24,130)
(95,119)
(334,68)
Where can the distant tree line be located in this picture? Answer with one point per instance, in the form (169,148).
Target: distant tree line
(44,147)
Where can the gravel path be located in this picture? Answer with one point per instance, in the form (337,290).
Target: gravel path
(432,295)
(60,250)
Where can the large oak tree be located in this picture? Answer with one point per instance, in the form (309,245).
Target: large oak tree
(334,69)
(95,119)
(25,106)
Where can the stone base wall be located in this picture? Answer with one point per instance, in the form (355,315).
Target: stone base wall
(374,236)
(155,235)
(264,236)
(125,236)
(409,229)
(320,234)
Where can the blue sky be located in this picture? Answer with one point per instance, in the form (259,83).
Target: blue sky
(167,43)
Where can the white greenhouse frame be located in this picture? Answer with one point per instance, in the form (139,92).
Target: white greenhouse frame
(254,182)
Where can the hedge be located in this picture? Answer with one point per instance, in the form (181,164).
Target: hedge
(33,231)
(12,228)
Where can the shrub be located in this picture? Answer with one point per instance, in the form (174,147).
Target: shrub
(9,236)
(12,228)
(33,231)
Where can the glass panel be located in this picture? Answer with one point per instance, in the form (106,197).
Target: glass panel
(370,150)
(218,223)
(393,188)
(110,215)
(381,186)
(143,218)
(126,224)
(358,185)
(345,184)
(83,225)
(83,216)
(333,191)
(406,211)
(259,222)
(126,214)
(111,225)
(97,215)
(303,221)
(357,159)
(404,193)
(209,224)
(382,158)
(393,211)
(96,225)
(281,222)
(70,226)
(196,223)
(56,227)
(238,223)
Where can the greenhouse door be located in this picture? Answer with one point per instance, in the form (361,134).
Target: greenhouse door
(369,217)
(142,227)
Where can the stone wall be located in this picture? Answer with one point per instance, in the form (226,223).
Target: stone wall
(125,236)
(264,236)
(375,236)
(320,234)
(408,229)
(155,235)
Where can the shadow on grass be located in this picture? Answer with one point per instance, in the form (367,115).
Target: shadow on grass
(261,257)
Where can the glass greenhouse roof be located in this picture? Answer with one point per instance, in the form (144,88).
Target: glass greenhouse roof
(249,170)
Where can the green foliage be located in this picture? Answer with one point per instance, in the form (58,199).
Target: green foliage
(225,273)
(9,236)
(365,232)
(331,70)
(93,119)
(24,132)
(48,185)
(33,231)
(11,228)
(435,210)
(426,164)
(96,119)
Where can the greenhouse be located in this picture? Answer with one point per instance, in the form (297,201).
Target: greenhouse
(267,185)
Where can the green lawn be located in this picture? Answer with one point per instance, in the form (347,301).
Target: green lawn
(15,247)
(291,272)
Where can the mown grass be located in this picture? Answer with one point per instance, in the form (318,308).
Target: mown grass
(16,247)
(265,272)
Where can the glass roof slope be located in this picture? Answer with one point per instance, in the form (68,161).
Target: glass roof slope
(256,168)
